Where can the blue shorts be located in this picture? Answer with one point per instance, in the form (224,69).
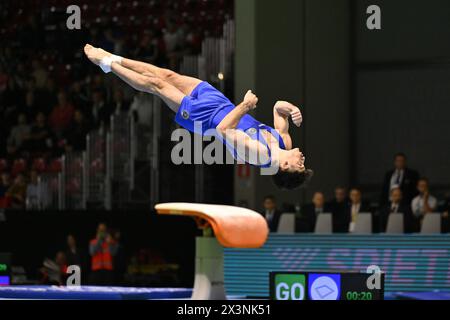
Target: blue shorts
(201,106)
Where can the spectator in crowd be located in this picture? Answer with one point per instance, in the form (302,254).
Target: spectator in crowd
(147,50)
(172,41)
(39,74)
(18,135)
(396,205)
(47,97)
(401,176)
(445,215)
(310,211)
(40,139)
(99,110)
(32,200)
(102,250)
(17,192)
(5,184)
(79,96)
(75,255)
(423,203)
(338,207)
(30,106)
(62,115)
(55,271)
(76,135)
(356,206)
(271,213)
(119,105)
(120,263)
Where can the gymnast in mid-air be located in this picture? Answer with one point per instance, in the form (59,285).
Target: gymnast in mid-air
(197,102)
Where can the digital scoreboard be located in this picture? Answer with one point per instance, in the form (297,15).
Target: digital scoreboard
(5,269)
(326,286)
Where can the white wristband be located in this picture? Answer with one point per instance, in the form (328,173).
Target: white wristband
(105,64)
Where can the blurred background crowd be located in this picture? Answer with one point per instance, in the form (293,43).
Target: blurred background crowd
(50,97)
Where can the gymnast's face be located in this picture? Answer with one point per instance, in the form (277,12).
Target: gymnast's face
(294,161)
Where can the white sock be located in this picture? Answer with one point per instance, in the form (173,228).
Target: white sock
(105,64)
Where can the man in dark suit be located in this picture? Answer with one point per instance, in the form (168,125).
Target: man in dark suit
(271,213)
(400,176)
(356,206)
(396,205)
(338,207)
(309,212)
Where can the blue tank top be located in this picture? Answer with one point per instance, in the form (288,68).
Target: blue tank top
(253,128)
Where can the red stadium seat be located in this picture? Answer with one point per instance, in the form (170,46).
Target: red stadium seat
(40,165)
(19,166)
(3,165)
(55,166)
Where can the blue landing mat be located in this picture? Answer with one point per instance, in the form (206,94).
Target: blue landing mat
(92,293)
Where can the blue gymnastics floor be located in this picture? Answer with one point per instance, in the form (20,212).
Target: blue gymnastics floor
(92,293)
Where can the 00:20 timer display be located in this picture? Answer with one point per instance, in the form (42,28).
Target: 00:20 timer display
(355,295)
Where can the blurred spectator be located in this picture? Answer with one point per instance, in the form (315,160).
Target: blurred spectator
(396,205)
(18,192)
(120,263)
(102,250)
(312,210)
(32,200)
(55,271)
(356,206)
(400,176)
(30,106)
(75,255)
(338,207)
(270,213)
(62,115)
(99,110)
(76,135)
(40,139)
(5,184)
(39,74)
(119,105)
(445,215)
(423,203)
(3,80)
(147,50)
(79,97)
(18,135)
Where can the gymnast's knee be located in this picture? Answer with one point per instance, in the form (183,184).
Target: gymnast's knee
(168,75)
(154,84)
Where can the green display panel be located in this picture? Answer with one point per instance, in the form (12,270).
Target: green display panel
(326,286)
(5,269)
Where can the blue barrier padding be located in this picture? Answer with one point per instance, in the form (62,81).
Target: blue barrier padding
(92,293)
(424,295)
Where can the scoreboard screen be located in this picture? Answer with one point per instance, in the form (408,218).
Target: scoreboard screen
(326,286)
(5,269)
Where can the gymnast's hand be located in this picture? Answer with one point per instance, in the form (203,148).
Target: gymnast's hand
(95,54)
(250,100)
(287,109)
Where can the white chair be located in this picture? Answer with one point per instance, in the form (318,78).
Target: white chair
(363,223)
(431,223)
(287,223)
(395,223)
(324,224)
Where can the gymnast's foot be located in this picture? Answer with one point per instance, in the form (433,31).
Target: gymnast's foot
(95,54)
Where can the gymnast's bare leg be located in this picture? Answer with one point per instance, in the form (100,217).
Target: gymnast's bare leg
(167,84)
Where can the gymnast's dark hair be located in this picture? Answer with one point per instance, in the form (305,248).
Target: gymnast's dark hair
(292,180)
